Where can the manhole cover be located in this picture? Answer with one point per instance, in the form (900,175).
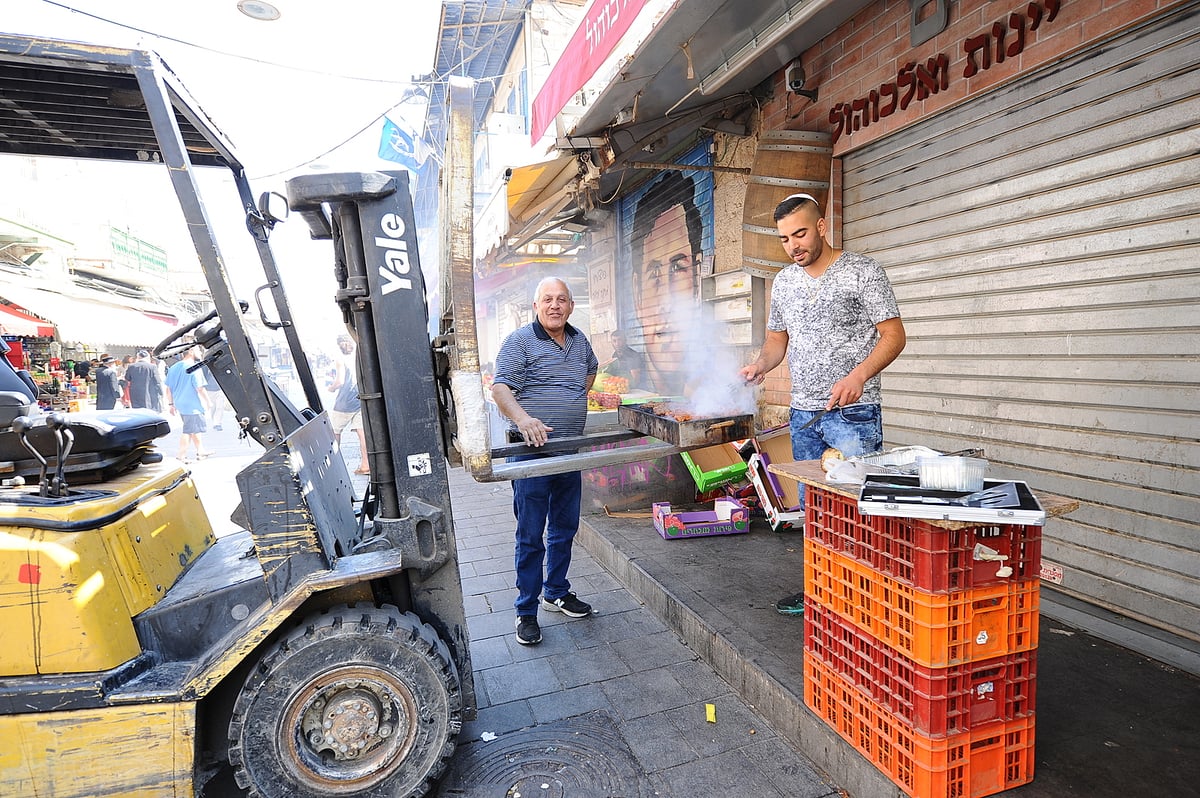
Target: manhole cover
(580,757)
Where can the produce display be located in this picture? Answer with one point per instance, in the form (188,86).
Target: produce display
(607,383)
(606,392)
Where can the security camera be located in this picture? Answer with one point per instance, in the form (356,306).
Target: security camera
(795,78)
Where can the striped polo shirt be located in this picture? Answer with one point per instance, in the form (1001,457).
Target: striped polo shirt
(548,380)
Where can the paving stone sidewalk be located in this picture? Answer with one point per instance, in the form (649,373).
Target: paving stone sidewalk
(621,661)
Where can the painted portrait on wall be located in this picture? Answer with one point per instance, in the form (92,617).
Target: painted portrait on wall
(666,232)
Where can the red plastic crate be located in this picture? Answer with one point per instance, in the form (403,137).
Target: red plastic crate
(934,701)
(984,761)
(934,629)
(917,552)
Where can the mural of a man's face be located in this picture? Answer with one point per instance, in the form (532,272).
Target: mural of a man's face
(665,289)
(665,227)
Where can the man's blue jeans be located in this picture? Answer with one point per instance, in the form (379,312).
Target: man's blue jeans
(544,505)
(853,430)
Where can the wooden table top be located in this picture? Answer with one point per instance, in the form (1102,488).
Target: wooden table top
(809,472)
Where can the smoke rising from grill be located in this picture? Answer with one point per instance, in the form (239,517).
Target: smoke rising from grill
(691,342)
(714,386)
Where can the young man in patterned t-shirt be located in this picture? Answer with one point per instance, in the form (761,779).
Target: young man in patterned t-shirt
(834,316)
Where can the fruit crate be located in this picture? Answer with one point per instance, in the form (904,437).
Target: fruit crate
(934,629)
(935,702)
(983,761)
(919,553)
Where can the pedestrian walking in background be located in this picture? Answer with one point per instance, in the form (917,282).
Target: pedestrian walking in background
(125,361)
(108,384)
(141,377)
(543,374)
(187,396)
(216,398)
(347,407)
(82,369)
(160,400)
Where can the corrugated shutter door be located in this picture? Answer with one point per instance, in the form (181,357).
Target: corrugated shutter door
(1042,241)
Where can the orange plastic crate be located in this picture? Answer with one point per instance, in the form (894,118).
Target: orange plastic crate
(934,629)
(919,553)
(983,761)
(933,701)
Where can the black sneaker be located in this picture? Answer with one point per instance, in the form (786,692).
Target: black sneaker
(528,631)
(791,605)
(568,605)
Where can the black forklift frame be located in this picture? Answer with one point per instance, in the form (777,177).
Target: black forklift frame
(98,84)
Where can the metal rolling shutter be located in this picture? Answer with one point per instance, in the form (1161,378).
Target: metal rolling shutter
(1042,241)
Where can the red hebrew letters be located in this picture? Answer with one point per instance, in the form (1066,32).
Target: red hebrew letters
(918,81)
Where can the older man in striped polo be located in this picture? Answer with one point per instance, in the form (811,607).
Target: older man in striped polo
(543,374)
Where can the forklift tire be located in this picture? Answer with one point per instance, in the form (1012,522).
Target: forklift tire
(357,701)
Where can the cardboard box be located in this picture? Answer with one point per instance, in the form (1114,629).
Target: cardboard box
(780,516)
(775,446)
(780,497)
(728,517)
(714,466)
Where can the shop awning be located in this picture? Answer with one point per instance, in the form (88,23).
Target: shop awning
(731,46)
(14,322)
(538,193)
(664,92)
(91,319)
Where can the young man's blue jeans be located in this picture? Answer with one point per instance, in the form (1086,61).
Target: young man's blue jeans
(852,430)
(548,505)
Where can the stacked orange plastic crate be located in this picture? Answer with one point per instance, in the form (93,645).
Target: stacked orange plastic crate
(920,652)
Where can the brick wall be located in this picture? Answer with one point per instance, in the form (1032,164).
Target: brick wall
(869,52)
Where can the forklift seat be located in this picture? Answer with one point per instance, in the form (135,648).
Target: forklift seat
(102,438)
(100,432)
(104,441)
(18,391)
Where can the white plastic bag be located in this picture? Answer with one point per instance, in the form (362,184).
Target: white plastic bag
(852,472)
(855,470)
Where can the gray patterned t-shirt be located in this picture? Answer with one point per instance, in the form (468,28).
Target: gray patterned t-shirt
(830,322)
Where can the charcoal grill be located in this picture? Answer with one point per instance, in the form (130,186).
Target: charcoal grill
(685,434)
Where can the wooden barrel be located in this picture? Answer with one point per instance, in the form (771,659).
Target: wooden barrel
(786,162)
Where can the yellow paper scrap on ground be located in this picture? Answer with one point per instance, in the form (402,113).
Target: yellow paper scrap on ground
(710,713)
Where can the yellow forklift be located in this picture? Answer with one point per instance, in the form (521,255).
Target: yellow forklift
(322,649)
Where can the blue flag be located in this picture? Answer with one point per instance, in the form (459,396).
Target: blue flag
(397,144)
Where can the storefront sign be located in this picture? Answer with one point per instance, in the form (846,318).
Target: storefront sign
(600,283)
(90,264)
(914,81)
(1051,573)
(135,254)
(603,25)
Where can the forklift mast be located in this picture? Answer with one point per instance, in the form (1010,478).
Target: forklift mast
(381,290)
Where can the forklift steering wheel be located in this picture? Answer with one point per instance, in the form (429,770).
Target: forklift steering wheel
(174,344)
